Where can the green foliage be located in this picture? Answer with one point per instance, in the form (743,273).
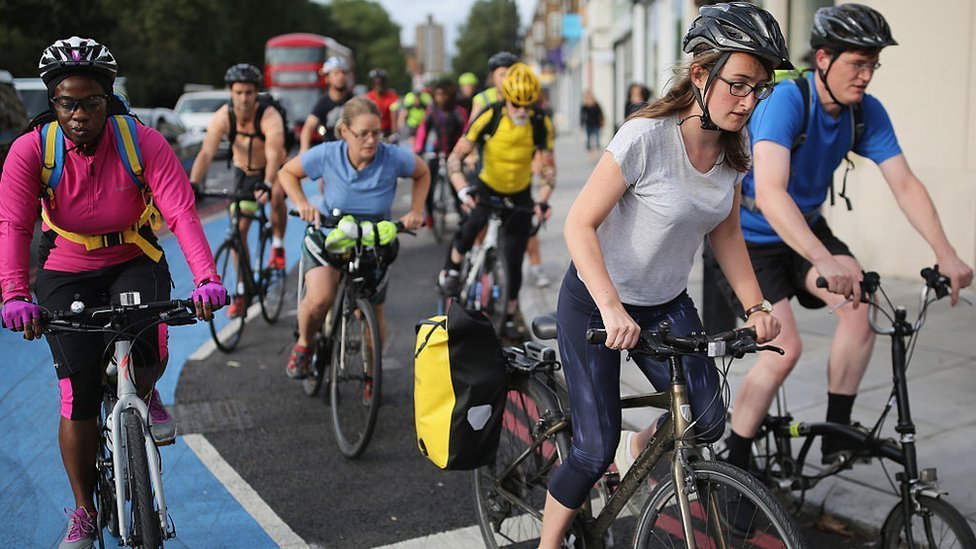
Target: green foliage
(492,26)
(162,45)
(366,28)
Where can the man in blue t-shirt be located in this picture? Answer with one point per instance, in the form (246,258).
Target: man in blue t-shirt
(789,241)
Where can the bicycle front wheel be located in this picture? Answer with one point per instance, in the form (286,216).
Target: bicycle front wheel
(729,508)
(354,382)
(936,524)
(144,521)
(107,512)
(490,291)
(227,335)
(271,281)
(510,496)
(441,203)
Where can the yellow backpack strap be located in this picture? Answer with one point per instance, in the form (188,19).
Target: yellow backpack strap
(52,157)
(150,215)
(125,143)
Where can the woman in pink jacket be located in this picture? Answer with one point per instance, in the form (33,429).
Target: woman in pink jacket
(91,190)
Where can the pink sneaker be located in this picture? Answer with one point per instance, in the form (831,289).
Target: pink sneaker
(81,530)
(161,423)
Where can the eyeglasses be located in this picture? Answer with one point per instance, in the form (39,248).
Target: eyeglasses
(67,105)
(375,134)
(741,89)
(861,66)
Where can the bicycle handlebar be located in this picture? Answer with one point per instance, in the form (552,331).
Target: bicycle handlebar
(660,343)
(236,195)
(331,221)
(176,312)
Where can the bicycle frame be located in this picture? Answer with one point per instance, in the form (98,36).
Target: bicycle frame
(490,242)
(128,398)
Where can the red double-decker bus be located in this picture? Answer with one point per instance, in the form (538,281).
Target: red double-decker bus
(291,70)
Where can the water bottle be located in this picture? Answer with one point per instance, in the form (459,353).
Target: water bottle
(477,292)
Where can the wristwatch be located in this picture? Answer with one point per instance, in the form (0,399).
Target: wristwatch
(764,306)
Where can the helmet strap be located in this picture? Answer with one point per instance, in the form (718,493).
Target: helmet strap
(706,119)
(823,78)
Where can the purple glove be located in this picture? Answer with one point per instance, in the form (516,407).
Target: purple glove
(18,312)
(212,292)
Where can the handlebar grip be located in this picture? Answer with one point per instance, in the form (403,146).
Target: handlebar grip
(596,336)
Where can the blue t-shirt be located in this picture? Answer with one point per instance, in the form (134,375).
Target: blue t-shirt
(780,118)
(366,193)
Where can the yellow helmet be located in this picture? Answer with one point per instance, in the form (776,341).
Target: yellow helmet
(521,85)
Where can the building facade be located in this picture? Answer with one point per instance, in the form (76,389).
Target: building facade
(429,48)
(625,41)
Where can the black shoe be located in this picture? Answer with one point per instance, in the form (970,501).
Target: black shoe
(449,282)
(838,450)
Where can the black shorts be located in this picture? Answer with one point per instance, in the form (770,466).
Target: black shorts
(780,270)
(374,265)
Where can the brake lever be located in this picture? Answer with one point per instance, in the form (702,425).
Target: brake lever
(773,348)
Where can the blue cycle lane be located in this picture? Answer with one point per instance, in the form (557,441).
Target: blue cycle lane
(34,489)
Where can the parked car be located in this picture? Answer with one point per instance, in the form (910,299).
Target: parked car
(34,93)
(185,143)
(196,108)
(13,119)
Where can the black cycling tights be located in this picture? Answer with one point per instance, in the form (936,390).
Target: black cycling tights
(516,228)
(593,379)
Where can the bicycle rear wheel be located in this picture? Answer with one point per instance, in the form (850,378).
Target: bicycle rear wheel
(729,508)
(227,336)
(509,507)
(355,379)
(936,524)
(271,282)
(144,522)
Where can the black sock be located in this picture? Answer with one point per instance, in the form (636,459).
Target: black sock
(739,450)
(450,265)
(839,407)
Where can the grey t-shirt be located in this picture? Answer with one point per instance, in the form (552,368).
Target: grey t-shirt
(650,238)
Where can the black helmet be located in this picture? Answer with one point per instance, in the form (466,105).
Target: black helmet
(77,56)
(242,72)
(501,59)
(739,27)
(850,27)
(378,73)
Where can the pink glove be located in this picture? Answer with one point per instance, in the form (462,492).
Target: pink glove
(18,312)
(212,292)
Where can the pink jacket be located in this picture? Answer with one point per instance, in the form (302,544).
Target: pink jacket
(96,195)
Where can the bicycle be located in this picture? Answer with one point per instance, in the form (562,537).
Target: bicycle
(348,346)
(929,516)
(443,200)
(698,504)
(484,271)
(129,485)
(232,259)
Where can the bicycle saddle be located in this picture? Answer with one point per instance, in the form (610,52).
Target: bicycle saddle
(544,326)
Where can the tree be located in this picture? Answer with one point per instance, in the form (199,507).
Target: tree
(492,26)
(365,27)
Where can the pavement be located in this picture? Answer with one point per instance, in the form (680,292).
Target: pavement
(942,382)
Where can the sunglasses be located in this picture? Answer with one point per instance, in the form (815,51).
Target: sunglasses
(67,105)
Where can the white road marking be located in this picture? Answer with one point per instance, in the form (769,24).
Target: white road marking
(271,523)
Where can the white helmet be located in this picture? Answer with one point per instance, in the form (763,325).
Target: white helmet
(77,56)
(334,63)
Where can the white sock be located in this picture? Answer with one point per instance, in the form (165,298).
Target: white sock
(277,242)
(629,454)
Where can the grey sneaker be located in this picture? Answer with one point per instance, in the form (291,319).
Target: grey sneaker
(81,530)
(161,424)
(541,280)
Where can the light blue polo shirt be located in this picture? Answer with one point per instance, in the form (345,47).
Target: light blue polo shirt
(366,193)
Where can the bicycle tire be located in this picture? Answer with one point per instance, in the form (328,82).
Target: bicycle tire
(227,337)
(440,203)
(271,283)
(924,533)
(495,289)
(722,486)
(503,521)
(353,414)
(321,357)
(145,520)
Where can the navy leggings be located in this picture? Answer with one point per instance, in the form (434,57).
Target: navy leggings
(593,378)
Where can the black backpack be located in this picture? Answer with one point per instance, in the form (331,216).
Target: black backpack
(537,118)
(265,100)
(857,129)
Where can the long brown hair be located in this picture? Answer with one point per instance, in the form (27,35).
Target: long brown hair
(682,96)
